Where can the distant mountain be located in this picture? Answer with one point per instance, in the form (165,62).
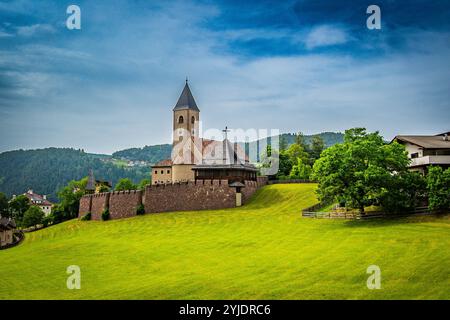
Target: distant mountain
(47,170)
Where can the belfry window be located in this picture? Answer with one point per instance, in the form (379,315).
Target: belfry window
(181,119)
(193,120)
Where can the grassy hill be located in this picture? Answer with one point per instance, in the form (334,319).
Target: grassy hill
(264,250)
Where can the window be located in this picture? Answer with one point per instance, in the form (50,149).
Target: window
(181,119)
(168,171)
(156,172)
(162,171)
(414,155)
(193,120)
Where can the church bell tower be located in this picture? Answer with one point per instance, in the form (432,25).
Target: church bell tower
(185,149)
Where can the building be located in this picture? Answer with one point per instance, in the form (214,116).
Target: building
(195,158)
(7,228)
(96,186)
(39,201)
(426,150)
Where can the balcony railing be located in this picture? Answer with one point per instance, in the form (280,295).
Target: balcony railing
(428,160)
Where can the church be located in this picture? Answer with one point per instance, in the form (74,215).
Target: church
(194,158)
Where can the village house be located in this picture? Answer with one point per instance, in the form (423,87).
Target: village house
(195,158)
(426,150)
(7,228)
(39,201)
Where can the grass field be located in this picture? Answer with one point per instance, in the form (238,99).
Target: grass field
(264,250)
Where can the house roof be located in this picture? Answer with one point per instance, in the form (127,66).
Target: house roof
(7,223)
(163,163)
(186,100)
(428,142)
(37,198)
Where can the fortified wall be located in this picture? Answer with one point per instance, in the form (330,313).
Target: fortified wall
(193,195)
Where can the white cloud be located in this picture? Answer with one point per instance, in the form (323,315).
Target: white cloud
(326,35)
(31,30)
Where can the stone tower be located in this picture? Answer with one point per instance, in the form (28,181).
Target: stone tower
(186,145)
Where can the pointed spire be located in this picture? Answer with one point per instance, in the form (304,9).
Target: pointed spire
(186,100)
(91,181)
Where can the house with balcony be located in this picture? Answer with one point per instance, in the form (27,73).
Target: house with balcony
(426,150)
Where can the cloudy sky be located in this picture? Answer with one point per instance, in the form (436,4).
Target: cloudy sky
(305,65)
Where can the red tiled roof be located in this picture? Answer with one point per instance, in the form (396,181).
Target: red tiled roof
(37,199)
(164,163)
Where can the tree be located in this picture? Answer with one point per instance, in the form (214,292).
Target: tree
(32,217)
(17,208)
(283,143)
(438,185)
(4,206)
(317,146)
(297,151)
(69,203)
(125,184)
(300,170)
(358,171)
(143,184)
(406,191)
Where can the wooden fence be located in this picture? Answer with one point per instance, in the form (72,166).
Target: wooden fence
(312,212)
(290,181)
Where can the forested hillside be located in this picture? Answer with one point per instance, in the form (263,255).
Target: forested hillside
(47,170)
(157,153)
(150,154)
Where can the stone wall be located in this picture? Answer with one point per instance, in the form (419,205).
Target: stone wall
(249,190)
(200,195)
(85,205)
(262,181)
(123,204)
(100,202)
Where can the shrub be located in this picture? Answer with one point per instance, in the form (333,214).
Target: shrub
(140,210)
(48,220)
(86,217)
(105,215)
(406,191)
(438,185)
(32,217)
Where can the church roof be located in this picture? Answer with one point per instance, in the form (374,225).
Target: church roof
(186,100)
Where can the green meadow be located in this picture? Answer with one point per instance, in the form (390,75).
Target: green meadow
(263,250)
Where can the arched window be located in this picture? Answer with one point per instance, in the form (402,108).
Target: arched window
(193,120)
(162,171)
(156,172)
(181,119)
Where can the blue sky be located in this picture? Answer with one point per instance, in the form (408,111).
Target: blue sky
(306,65)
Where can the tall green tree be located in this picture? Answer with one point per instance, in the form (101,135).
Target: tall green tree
(125,184)
(358,171)
(69,200)
(283,143)
(296,151)
(300,170)
(438,185)
(32,217)
(17,208)
(4,206)
(317,146)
